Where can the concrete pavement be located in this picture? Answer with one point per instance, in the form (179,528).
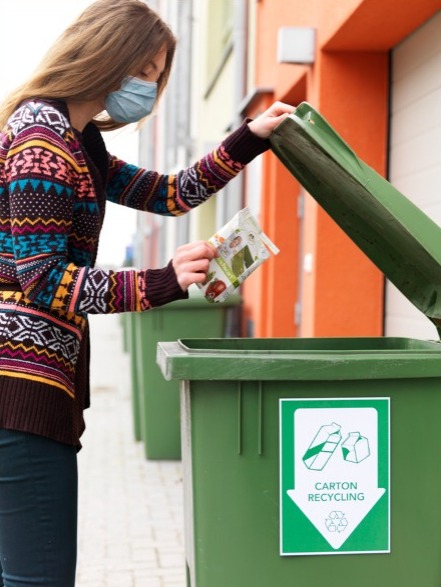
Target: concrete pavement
(130,509)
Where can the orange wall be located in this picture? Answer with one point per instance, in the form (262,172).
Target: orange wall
(353,96)
(342,293)
(270,292)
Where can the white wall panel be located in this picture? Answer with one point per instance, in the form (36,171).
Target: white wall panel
(415,151)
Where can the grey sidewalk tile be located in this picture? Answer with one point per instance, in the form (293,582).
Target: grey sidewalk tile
(130,509)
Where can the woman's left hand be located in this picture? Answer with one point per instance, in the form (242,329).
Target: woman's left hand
(191,262)
(265,123)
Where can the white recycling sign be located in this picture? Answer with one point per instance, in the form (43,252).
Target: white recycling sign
(334,476)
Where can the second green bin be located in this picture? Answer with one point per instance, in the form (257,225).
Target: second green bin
(158,400)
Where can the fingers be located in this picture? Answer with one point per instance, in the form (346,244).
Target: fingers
(279,108)
(194,251)
(191,263)
(264,124)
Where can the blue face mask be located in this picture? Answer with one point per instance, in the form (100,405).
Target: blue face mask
(134,100)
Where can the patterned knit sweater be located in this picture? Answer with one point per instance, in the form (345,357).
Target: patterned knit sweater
(54,182)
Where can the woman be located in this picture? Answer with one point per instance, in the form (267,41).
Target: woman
(55,178)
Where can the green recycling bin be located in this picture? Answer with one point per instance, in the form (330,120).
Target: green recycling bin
(158,399)
(130,337)
(314,462)
(124,332)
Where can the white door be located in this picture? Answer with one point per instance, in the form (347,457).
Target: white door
(415,151)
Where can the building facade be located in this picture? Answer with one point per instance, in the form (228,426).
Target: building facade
(375,74)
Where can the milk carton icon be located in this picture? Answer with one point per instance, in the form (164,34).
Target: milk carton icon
(355,448)
(322,447)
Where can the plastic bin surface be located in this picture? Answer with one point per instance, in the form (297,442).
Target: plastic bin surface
(238,477)
(396,235)
(158,400)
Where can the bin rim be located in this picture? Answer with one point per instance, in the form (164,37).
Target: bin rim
(177,360)
(428,346)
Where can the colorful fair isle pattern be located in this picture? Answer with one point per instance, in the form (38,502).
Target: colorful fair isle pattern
(50,220)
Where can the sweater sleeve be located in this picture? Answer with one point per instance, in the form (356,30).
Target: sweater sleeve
(174,195)
(42,176)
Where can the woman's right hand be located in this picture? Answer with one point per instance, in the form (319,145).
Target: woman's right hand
(191,262)
(265,123)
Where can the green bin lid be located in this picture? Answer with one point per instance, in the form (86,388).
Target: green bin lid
(402,241)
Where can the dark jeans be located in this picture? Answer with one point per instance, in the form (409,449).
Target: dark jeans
(38,511)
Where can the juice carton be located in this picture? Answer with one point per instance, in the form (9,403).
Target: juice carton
(242,247)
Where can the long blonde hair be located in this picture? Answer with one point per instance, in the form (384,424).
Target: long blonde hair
(110,39)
